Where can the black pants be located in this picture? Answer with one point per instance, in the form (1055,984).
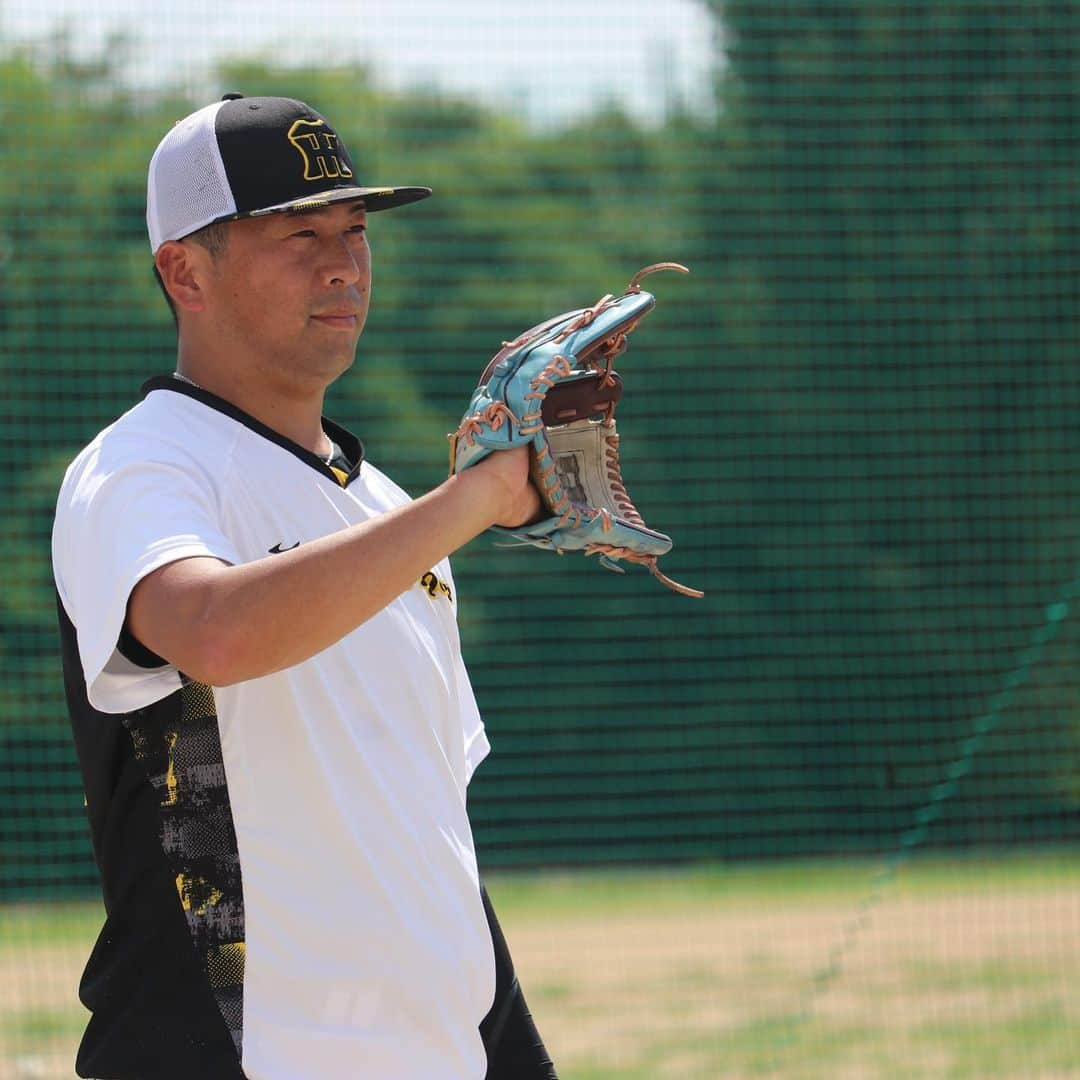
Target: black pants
(515,1050)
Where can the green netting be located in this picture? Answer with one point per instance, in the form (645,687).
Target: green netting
(858,419)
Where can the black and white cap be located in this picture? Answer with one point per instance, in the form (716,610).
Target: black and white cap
(242,157)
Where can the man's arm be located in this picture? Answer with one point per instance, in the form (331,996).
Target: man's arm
(224,624)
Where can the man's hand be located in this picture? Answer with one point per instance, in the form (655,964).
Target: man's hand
(515,500)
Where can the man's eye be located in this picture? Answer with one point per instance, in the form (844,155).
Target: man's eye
(303,232)
(360,229)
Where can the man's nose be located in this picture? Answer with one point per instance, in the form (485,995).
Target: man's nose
(341,265)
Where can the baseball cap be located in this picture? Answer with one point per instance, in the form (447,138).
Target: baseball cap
(246,156)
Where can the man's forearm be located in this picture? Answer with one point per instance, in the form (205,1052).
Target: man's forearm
(225,624)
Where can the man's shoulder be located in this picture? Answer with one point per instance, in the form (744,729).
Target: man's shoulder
(163,428)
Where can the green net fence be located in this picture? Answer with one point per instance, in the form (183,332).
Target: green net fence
(857,418)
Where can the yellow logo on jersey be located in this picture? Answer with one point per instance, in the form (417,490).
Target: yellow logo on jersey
(196,893)
(434,586)
(172,786)
(319,150)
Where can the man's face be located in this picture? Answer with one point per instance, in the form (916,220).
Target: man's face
(289,294)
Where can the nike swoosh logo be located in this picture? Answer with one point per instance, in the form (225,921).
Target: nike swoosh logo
(277,549)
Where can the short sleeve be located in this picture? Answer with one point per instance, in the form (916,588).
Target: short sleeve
(117,520)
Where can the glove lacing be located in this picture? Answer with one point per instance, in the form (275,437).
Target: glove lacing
(608,553)
(493,417)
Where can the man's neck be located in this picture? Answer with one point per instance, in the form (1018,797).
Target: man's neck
(297,416)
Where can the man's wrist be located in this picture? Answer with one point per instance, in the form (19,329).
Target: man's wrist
(483,494)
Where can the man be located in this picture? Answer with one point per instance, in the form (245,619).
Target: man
(272,717)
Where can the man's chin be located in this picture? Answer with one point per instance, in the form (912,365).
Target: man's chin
(314,371)
(344,367)
(330,367)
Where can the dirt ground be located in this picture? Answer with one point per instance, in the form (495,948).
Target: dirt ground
(753,990)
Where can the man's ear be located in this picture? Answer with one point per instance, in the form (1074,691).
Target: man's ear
(183,268)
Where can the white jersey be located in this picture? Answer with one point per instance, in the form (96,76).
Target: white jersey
(312,821)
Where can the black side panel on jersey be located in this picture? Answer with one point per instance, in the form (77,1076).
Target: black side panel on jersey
(154,1013)
(514,1048)
(181,752)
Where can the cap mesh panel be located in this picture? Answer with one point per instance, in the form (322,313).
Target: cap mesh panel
(187,186)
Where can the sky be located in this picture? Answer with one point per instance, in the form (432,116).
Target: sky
(548,59)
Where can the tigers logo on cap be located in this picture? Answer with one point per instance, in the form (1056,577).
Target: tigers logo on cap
(318,146)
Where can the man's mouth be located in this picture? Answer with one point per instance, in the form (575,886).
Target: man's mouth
(338,320)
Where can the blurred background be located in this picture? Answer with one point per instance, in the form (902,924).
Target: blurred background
(822,823)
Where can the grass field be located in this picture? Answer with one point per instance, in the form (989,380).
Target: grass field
(958,969)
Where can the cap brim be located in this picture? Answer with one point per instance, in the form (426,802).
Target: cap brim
(373,198)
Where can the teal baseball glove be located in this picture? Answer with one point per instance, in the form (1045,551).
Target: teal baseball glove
(554,389)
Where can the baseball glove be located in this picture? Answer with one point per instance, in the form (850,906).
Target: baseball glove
(554,389)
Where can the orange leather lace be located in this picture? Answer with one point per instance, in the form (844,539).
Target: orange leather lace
(494,416)
(624,504)
(607,551)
